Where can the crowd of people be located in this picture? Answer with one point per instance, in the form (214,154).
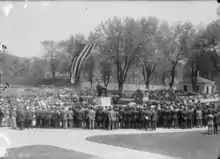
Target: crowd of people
(59,111)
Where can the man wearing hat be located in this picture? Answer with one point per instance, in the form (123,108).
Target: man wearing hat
(98,118)
(189,118)
(70,116)
(154,119)
(91,116)
(218,115)
(1,116)
(112,119)
(21,117)
(216,122)
(13,119)
(64,118)
(184,118)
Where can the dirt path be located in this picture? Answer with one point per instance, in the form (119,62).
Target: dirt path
(75,139)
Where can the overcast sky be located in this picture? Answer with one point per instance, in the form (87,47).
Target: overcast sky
(23,29)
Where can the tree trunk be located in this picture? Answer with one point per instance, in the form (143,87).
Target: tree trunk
(147,83)
(194,71)
(133,75)
(53,75)
(173,74)
(106,84)
(120,88)
(192,76)
(91,84)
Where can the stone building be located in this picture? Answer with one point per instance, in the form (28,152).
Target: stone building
(203,85)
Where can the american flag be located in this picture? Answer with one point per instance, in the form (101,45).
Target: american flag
(78,60)
(144,70)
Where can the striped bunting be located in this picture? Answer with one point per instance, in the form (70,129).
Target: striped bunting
(78,61)
(144,70)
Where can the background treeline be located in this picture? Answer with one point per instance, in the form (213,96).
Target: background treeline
(168,52)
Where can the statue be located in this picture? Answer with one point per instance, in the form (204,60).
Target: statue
(101,91)
(139,96)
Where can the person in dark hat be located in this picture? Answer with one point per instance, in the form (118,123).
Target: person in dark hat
(216,122)
(205,115)
(164,114)
(29,118)
(142,118)
(175,118)
(117,119)
(218,114)
(79,117)
(184,118)
(98,118)
(169,118)
(189,118)
(1,116)
(22,119)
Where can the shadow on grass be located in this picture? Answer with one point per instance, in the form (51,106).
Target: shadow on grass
(45,152)
(185,145)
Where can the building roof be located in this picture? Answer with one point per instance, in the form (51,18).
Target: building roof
(200,80)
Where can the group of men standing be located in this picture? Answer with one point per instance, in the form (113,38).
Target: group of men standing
(110,118)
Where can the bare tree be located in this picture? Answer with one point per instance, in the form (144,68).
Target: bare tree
(171,46)
(52,49)
(105,71)
(125,38)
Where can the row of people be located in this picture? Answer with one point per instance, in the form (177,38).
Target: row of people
(112,118)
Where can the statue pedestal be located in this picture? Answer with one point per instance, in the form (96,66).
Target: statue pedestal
(103,101)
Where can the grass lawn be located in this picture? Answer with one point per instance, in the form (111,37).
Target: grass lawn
(190,145)
(45,152)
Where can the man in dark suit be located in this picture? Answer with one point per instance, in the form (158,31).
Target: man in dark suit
(64,118)
(22,119)
(216,122)
(184,118)
(218,115)
(98,118)
(1,116)
(189,118)
(164,112)
(154,119)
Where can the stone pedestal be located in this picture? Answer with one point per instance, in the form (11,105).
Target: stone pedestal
(103,101)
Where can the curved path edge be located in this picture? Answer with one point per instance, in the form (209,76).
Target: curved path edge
(76,139)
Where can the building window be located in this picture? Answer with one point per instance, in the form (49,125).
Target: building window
(207,90)
(185,88)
